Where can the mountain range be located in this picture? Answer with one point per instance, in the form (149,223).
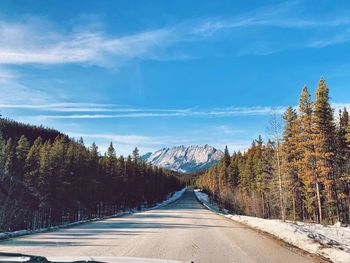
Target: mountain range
(185,159)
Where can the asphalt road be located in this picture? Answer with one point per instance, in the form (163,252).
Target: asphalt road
(183,230)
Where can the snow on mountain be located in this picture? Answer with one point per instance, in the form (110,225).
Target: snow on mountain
(185,159)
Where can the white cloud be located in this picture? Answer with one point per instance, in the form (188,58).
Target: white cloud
(246,111)
(37,41)
(284,15)
(120,139)
(70,107)
(111,116)
(218,112)
(340,38)
(31,42)
(287,15)
(153,113)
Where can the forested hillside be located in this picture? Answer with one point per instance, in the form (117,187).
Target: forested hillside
(48,179)
(300,173)
(13,129)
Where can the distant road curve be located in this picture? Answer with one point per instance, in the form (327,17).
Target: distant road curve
(183,230)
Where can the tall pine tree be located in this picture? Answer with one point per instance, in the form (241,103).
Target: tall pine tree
(291,157)
(324,128)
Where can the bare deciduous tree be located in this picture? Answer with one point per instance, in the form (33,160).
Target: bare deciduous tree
(275,134)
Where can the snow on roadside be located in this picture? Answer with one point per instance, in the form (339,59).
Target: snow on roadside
(332,242)
(171,198)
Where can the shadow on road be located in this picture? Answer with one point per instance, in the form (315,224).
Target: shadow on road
(147,222)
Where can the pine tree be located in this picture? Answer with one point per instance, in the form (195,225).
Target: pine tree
(342,168)
(226,158)
(121,169)
(10,194)
(269,171)
(259,173)
(223,169)
(32,168)
(10,160)
(45,171)
(22,150)
(324,129)
(347,177)
(214,185)
(111,151)
(57,171)
(136,155)
(137,179)
(291,157)
(129,171)
(94,160)
(324,116)
(307,163)
(2,156)
(234,171)
(111,161)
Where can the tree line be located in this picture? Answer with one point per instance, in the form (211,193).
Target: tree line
(52,179)
(301,173)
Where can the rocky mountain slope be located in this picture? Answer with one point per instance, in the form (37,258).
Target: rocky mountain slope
(185,159)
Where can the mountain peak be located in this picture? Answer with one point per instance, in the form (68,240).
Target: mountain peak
(185,159)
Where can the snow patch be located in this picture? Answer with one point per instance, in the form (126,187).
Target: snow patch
(332,242)
(185,159)
(170,199)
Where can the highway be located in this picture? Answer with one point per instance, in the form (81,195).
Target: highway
(184,230)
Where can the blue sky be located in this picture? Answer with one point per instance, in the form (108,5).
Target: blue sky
(161,73)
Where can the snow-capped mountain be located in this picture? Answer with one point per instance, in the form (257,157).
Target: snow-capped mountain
(185,159)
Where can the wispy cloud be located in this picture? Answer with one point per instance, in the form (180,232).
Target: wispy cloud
(267,19)
(339,38)
(23,44)
(70,107)
(283,15)
(153,113)
(13,91)
(245,111)
(7,75)
(110,116)
(287,15)
(36,41)
(77,107)
(121,138)
(200,113)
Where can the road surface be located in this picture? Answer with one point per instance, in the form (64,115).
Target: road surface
(183,230)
